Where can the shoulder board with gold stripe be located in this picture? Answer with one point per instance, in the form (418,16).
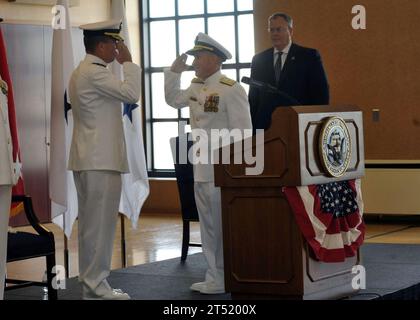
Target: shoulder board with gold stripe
(99,64)
(227,81)
(197,80)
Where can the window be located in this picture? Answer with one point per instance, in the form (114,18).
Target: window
(169,29)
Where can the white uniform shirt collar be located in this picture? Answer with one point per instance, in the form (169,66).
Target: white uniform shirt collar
(94,59)
(285,50)
(283,56)
(215,77)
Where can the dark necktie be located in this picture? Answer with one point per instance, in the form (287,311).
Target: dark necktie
(277,67)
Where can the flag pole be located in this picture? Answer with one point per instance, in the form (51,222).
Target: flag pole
(66,256)
(135,185)
(123,248)
(66,249)
(61,185)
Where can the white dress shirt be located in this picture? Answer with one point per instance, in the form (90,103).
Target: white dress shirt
(285,52)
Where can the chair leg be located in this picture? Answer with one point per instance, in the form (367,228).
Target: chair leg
(52,293)
(185,239)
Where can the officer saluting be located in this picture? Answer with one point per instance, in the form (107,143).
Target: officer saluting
(8,178)
(216,102)
(98,154)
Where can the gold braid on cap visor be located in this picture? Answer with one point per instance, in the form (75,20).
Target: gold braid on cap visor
(200,47)
(114,35)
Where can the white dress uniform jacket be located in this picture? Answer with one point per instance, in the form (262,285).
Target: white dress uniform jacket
(98,137)
(215,103)
(8,177)
(8,172)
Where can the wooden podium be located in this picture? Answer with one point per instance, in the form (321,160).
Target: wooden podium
(265,255)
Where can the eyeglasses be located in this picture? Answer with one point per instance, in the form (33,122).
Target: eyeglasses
(278,30)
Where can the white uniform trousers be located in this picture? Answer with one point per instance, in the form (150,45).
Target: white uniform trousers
(98,194)
(208,201)
(5,199)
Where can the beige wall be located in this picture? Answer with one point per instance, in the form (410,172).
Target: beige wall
(391,191)
(350,57)
(88,11)
(372,68)
(163,197)
(132,12)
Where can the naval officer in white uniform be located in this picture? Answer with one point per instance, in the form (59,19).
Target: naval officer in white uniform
(98,154)
(216,102)
(8,177)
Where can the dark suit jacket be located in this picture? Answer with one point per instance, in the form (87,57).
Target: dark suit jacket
(303,78)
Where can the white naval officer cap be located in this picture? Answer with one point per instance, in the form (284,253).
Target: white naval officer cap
(110,28)
(204,42)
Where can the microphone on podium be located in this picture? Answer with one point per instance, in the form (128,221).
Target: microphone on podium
(269,88)
(259,84)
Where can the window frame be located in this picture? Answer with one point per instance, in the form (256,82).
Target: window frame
(148,70)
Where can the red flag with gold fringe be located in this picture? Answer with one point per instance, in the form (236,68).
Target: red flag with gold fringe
(5,75)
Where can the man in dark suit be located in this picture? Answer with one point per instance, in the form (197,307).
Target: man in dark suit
(294,70)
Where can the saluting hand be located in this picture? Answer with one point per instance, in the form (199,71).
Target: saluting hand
(124,54)
(179,64)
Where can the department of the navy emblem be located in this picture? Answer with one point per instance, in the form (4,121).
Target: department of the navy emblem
(335,146)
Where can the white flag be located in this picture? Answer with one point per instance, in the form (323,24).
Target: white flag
(62,189)
(135,184)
